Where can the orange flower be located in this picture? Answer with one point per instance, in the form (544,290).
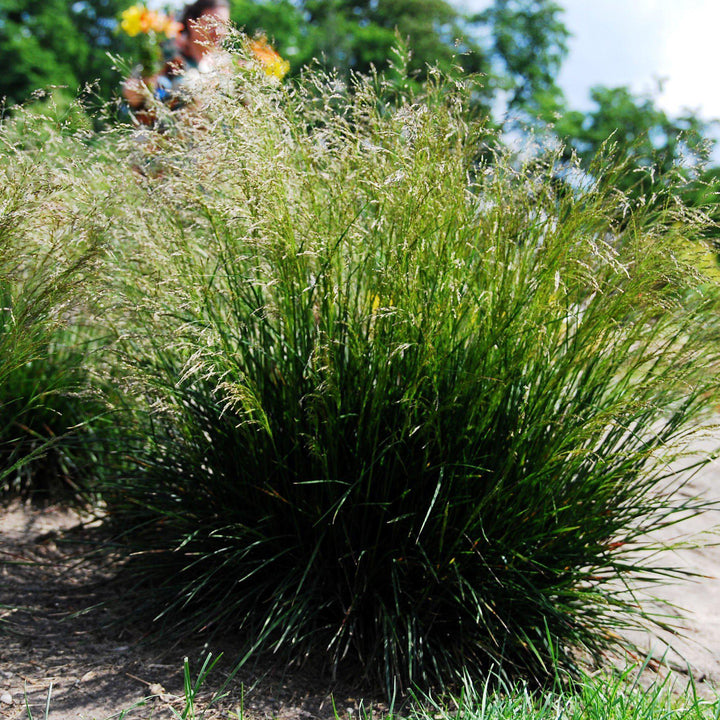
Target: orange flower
(171,28)
(148,20)
(139,19)
(269,58)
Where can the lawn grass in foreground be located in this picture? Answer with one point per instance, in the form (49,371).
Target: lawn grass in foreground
(604,696)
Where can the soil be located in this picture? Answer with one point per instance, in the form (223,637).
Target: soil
(691,606)
(64,630)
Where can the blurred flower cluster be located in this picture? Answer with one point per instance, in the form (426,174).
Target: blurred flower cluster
(138,19)
(268,58)
(155,30)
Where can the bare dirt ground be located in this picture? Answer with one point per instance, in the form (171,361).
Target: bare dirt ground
(61,624)
(694,603)
(59,614)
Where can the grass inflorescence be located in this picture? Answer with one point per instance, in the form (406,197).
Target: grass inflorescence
(51,239)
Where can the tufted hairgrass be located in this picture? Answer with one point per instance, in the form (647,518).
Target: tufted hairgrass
(407,405)
(50,244)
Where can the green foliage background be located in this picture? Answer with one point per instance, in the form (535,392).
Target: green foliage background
(517,46)
(59,43)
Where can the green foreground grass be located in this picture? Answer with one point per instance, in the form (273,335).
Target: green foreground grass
(372,388)
(602,696)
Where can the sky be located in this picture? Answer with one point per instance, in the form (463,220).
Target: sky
(639,43)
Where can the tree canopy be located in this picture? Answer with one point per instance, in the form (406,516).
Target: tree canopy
(631,127)
(54,42)
(361,36)
(528,45)
(518,45)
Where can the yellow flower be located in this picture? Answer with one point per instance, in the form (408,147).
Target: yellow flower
(269,58)
(138,19)
(132,20)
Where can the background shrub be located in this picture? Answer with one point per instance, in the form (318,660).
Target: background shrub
(402,408)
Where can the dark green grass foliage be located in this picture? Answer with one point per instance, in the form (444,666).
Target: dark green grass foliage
(51,420)
(406,410)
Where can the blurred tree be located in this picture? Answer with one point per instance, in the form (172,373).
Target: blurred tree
(518,45)
(633,128)
(36,47)
(285,25)
(359,35)
(55,42)
(658,156)
(528,45)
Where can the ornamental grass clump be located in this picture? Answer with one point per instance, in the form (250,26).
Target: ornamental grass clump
(50,243)
(407,409)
